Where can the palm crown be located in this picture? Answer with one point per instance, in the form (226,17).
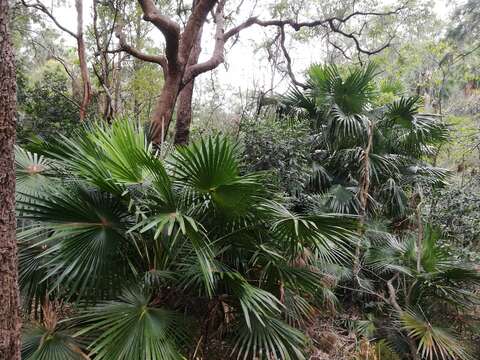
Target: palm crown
(342,110)
(144,243)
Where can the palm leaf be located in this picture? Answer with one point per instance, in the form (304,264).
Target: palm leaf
(272,339)
(86,238)
(433,342)
(134,329)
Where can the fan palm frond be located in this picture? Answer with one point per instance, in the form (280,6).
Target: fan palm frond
(41,343)
(133,328)
(33,173)
(272,339)
(433,342)
(328,235)
(84,237)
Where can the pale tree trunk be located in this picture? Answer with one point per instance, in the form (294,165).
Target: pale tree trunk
(117,81)
(82,58)
(184,103)
(418,198)
(102,43)
(9,296)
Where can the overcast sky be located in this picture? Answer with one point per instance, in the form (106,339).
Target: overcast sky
(243,67)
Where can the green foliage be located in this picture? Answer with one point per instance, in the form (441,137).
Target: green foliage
(131,328)
(190,228)
(339,108)
(443,288)
(456,210)
(280,149)
(433,341)
(40,343)
(45,105)
(344,108)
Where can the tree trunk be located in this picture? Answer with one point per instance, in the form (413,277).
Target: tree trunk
(162,114)
(117,81)
(418,198)
(9,297)
(184,104)
(102,43)
(184,114)
(82,58)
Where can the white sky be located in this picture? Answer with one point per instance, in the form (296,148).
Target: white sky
(243,68)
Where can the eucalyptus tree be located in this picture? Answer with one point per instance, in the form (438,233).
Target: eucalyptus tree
(180,42)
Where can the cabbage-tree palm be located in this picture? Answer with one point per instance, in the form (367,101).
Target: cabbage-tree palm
(429,302)
(163,254)
(370,159)
(356,140)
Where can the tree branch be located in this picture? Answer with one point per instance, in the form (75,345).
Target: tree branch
(289,60)
(298,25)
(41,7)
(169,28)
(124,46)
(218,52)
(336,28)
(195,22)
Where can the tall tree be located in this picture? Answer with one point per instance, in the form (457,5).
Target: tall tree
(78,35)
(179,70)
(9,297)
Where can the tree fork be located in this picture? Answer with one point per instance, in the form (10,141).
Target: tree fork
(178,47)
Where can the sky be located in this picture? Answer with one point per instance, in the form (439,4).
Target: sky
(243,68)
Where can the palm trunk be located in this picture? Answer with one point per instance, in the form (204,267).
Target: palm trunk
(363,197)
(9,297)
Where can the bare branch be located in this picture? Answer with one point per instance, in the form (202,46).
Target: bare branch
(124,46)
(339,48)
(289,60)
(298,25)
(54,56)
(41,7)
(336,28)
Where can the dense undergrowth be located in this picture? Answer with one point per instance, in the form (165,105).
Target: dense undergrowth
(308,236)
